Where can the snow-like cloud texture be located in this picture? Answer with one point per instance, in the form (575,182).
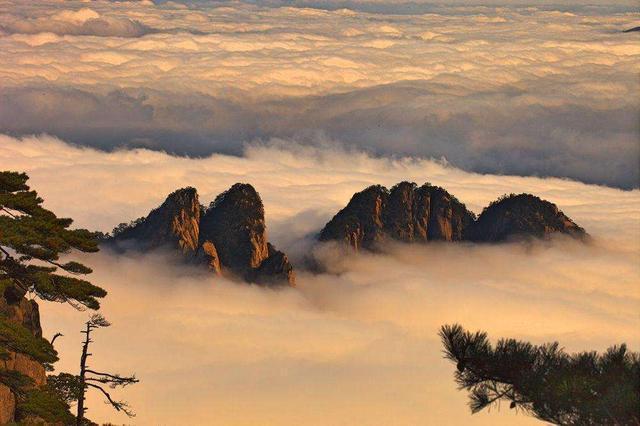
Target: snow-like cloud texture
(356,345)
(515,89)
(78,22)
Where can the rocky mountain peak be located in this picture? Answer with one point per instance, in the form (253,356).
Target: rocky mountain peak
(409,213)
(175,223)
(523,216)
(406,213)
(360,223)
(230,236)
(235,224)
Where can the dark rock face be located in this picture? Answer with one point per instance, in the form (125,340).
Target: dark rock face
(360,223)
(234,226)
(175,223)
(22,311)
(399,219)
(26,313)
(406,213)
(523,216)
(229,237)
(449,219)
(415,214)
(275,269)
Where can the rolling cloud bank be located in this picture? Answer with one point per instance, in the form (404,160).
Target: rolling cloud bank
(111,105)
(510,89)
(357,344)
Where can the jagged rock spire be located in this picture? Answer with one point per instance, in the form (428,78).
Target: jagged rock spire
(230,237)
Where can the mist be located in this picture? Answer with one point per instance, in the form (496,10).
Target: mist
(354,345)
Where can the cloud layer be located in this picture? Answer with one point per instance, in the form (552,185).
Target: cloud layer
(356,345)
(78,22)
(509,89)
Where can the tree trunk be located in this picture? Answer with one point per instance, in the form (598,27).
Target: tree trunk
(83,367)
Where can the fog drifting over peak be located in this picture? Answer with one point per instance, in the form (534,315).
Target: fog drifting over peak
(356,345)
(504,89)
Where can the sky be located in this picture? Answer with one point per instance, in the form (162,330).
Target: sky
(109,106)
(498,87)
(355,345)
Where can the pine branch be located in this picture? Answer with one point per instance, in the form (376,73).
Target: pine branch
(118,405)
(112,379)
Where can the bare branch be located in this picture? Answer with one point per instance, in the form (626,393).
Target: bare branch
(118,405)
(113,379)
(55,336)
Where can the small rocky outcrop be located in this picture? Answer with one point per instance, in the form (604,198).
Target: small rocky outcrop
(208,254)
(406,213)
(175,223)
(413,214)
(523,216)
(275,269)
(230,236)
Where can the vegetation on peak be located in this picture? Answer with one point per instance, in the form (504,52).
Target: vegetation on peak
(544,381)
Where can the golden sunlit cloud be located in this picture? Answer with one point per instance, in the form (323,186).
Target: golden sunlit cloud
(357,344)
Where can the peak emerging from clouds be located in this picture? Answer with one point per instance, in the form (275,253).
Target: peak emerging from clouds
(81,22)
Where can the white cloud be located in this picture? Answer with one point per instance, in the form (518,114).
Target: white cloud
(80,22)
(516,90)
(354,346)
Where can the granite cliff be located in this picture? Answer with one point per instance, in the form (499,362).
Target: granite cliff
(230,236)
(406,213)
(413,214)
(175,223)
(24,312)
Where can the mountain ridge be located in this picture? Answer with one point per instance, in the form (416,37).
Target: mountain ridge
(413,214)
(229,236)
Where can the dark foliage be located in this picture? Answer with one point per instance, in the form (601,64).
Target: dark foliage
(124,227)
(32,241)
(66,385)
(44,404)
(586,388)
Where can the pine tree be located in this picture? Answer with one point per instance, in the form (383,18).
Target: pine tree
(586,388)
(73,388)
(90,378)
(32,241)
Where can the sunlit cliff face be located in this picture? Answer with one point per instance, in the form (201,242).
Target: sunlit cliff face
(355,345)
(508,89)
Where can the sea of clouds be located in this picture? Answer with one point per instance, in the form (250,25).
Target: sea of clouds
(355,345)
(311,101)
(513,88)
